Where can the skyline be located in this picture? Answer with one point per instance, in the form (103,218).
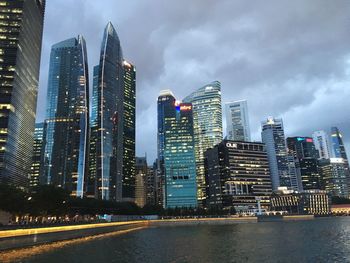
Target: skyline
(252,48)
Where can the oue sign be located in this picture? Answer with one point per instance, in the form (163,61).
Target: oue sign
(231,145)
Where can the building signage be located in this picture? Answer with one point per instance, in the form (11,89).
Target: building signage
(231,145)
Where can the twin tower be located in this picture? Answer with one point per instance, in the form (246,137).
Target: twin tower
(90,149)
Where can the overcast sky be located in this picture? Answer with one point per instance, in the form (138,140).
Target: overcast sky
(289,59)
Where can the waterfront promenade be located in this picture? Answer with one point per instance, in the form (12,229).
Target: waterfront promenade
(21,238)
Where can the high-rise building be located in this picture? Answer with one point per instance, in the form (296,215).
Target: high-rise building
(207,127)
(165,106)
(237,174)
(305,156)
(338,148)
(67,117)
(107,121)
(237,121)
(140,181)
(321,141)
(37,169)
(176,148)
(335,179)
(129,131)
(273,136)
(21,28)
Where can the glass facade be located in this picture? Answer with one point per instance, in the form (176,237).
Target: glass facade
(321,141)
(305,157)
(237,121)
(338,144)
(237,173)
(273,136)
(67,117)
(21,28)
(207,127)
(165,106)
(178,152)
(129,132)
(37,169)
(106,158)
(334,177)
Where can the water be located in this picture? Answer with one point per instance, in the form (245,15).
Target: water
(320,240)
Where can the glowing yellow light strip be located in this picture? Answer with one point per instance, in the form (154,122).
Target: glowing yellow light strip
(20,254)
(43,230)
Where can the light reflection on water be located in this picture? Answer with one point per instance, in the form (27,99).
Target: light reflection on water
(320,240)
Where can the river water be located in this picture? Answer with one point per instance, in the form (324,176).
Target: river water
(319,240)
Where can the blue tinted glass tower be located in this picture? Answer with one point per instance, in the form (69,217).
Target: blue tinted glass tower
(175,135)
(67,117)
(21,28)
(106,157)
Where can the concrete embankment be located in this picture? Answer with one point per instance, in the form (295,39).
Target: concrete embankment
(20,238)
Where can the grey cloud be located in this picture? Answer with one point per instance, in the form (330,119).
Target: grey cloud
(288,58)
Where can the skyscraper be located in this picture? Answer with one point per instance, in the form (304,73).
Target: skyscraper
(37,169)
(338,147)
(321,141)
(106,158)
(176,147)
(165,105)
(67,117)
(237,173)
(334,177)
(207,127)
(129,131)
(141,181)
(305,156)
(273,136)
(21,28)
(237,121)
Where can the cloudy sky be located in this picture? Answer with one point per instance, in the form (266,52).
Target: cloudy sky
(289,59)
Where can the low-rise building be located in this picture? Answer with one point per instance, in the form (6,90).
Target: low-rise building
(310,202)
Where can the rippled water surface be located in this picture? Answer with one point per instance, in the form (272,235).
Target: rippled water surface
(320,240)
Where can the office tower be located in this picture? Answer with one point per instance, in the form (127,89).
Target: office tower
(129,132)
(67,117)
(140,181)
(151,186)
(305,156)
(158,184)
(334,177)
(37,168)
(237,173)
(165,105)
(338,147)
(107,121)
(273,136)
(21,28)
(207,127)
(237,121)
(176,148)
(321,142)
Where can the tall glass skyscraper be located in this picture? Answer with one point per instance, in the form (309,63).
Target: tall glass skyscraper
(207,127)
(106,158)
(177,151)
(321,141)
(338,147)
(67,117)
(237,121)
(21,28)
(273,136)
(129,172)
(305,156)
(165,107)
